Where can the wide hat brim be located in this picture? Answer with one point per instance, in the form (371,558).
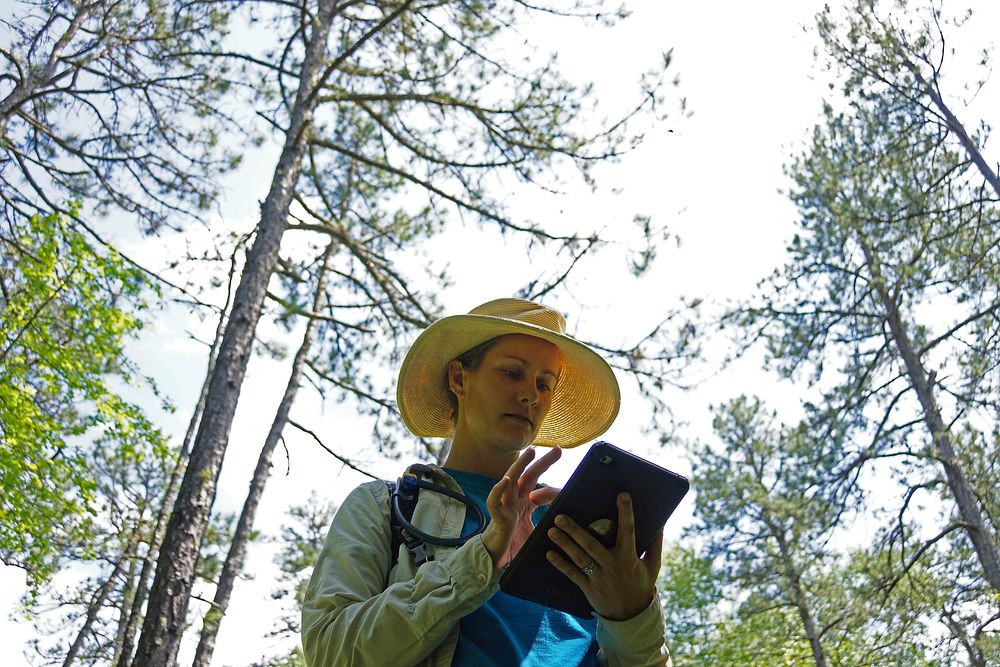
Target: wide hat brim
(584,404)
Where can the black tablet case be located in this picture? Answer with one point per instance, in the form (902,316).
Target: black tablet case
(589,498)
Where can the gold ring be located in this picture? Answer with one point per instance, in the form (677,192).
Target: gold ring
(589,570)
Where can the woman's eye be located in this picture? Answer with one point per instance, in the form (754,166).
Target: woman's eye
(543,386)
(512,373)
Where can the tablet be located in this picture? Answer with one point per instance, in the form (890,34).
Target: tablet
(589,498)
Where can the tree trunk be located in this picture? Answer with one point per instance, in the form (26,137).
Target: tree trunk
(956,127)
(973,651)
(128,598)
(241,537)
(170,594)
(123,652)
(802,607)
(97,601)
(166,615)
(972,518)
(797,595)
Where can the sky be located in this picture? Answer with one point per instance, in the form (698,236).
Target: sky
(714,179)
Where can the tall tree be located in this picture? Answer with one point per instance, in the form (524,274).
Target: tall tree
(894,229)
(241,537)
(890,297)
(410,68)
(133,613)
(785,591)
(762,505)
(170,592)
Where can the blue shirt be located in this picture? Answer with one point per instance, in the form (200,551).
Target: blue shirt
(507,630)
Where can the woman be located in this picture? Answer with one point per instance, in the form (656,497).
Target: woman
(497,380)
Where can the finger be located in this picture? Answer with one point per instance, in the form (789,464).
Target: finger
(522,461)
(531,475)
(578,543)
(626,524)
(570,547)
(495,497)
(544,495)
(568,568)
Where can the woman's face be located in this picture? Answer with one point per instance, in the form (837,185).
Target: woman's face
(502,403)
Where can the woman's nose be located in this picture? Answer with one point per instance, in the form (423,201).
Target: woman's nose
(528,393)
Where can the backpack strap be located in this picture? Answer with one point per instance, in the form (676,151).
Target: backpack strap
(400,536)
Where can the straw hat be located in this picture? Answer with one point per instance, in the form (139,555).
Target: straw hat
(584,404)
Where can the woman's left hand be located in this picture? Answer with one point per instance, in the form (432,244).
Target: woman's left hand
(620,584)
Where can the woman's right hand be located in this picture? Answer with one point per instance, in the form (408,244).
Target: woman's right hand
(511,503)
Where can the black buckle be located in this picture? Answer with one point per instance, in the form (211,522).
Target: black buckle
(421,552)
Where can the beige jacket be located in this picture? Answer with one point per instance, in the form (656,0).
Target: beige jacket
(358,613)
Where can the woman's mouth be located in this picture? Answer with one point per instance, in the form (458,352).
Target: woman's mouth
(520,418)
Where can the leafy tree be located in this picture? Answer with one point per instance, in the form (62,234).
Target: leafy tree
(691,592)
(301,539)
(85,623)
(66,314)
(80,624)
(769,517)
(83,465)
(761,634)
(762,506)
(97,102)
(708,626)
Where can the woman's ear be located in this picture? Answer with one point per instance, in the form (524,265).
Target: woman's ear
(456,377)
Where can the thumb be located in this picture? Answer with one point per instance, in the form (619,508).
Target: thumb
(544,495)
